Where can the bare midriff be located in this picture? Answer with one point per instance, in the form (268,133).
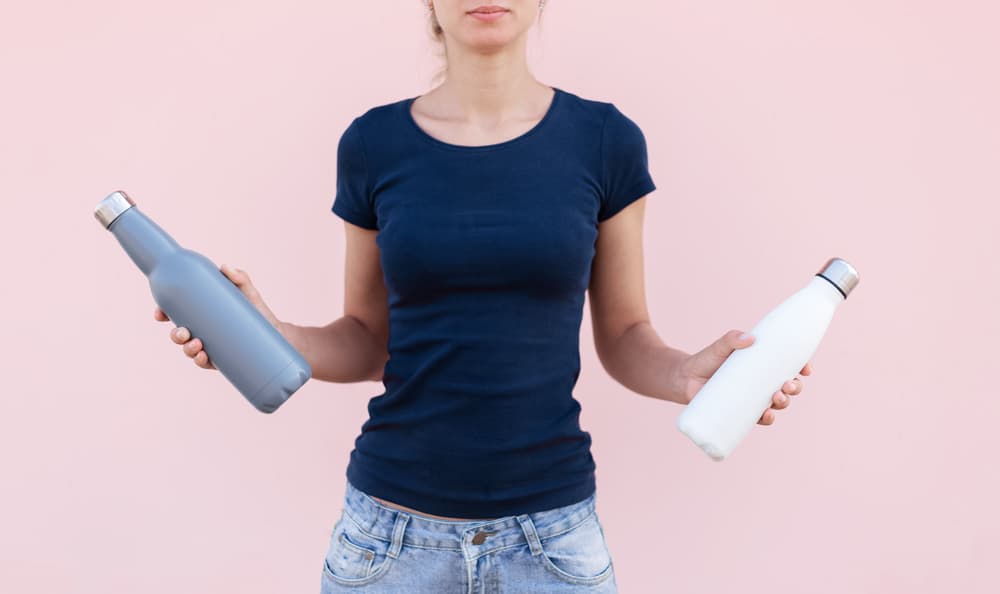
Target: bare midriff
(418,512)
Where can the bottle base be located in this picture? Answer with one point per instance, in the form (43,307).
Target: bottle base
(707,445)
(275,392)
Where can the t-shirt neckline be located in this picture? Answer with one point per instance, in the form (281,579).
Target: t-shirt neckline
(408,116)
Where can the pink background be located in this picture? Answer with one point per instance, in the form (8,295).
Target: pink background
(780,134)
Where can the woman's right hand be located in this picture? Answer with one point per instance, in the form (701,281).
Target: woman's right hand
(192,346)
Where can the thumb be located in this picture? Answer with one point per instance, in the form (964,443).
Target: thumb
(708,360)
(241,279)
(238,276)
(730,341)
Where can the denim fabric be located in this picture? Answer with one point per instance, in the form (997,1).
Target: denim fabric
(378,549)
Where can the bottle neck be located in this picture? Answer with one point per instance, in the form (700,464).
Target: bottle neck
(828,290)
(143,240)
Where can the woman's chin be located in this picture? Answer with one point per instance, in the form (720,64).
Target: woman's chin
(488,41)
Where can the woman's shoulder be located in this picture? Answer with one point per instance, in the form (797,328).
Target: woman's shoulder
(602,111)
(379,115)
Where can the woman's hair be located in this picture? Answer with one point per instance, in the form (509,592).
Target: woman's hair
(437,34)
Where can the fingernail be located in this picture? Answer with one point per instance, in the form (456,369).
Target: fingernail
(745,336)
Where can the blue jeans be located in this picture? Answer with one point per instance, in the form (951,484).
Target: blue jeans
(378,549)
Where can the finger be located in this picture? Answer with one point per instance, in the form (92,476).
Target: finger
(729,342)
(738,339)
(201,360)
(807,369)
(159,315)
(767,418)
(237,275)
(180,335)
(780,400)
(192,347)
(241,278)
(792,386)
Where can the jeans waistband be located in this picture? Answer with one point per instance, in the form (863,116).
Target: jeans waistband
(400,527)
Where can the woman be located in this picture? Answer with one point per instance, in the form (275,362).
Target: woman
(477,216)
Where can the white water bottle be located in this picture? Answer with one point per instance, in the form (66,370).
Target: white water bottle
(731,402)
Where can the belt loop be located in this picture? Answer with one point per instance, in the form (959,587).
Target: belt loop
(397,534)
(532,535)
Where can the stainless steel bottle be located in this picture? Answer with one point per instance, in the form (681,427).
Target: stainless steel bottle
(194,293)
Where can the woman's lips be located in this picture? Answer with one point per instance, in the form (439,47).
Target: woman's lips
(488,16)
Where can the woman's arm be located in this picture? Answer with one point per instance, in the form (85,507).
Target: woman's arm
(627,345)
(352,348)
(342,351)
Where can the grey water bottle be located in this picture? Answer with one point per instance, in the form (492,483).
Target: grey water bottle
(194,293)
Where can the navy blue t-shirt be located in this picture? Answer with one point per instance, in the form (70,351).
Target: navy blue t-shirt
(486,254)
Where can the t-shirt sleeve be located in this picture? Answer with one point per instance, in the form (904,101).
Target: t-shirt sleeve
(625,176)
(353,201)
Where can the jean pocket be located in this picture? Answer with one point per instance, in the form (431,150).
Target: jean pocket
(354,557)
(580,554)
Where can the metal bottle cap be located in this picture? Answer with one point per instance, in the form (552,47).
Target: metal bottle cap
(115,204)
(841,274)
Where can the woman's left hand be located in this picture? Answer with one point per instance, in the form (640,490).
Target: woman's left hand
(699,367)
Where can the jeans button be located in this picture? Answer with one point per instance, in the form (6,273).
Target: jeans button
(480,536)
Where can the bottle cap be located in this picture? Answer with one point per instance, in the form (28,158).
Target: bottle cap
(840,274)
(115,204)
